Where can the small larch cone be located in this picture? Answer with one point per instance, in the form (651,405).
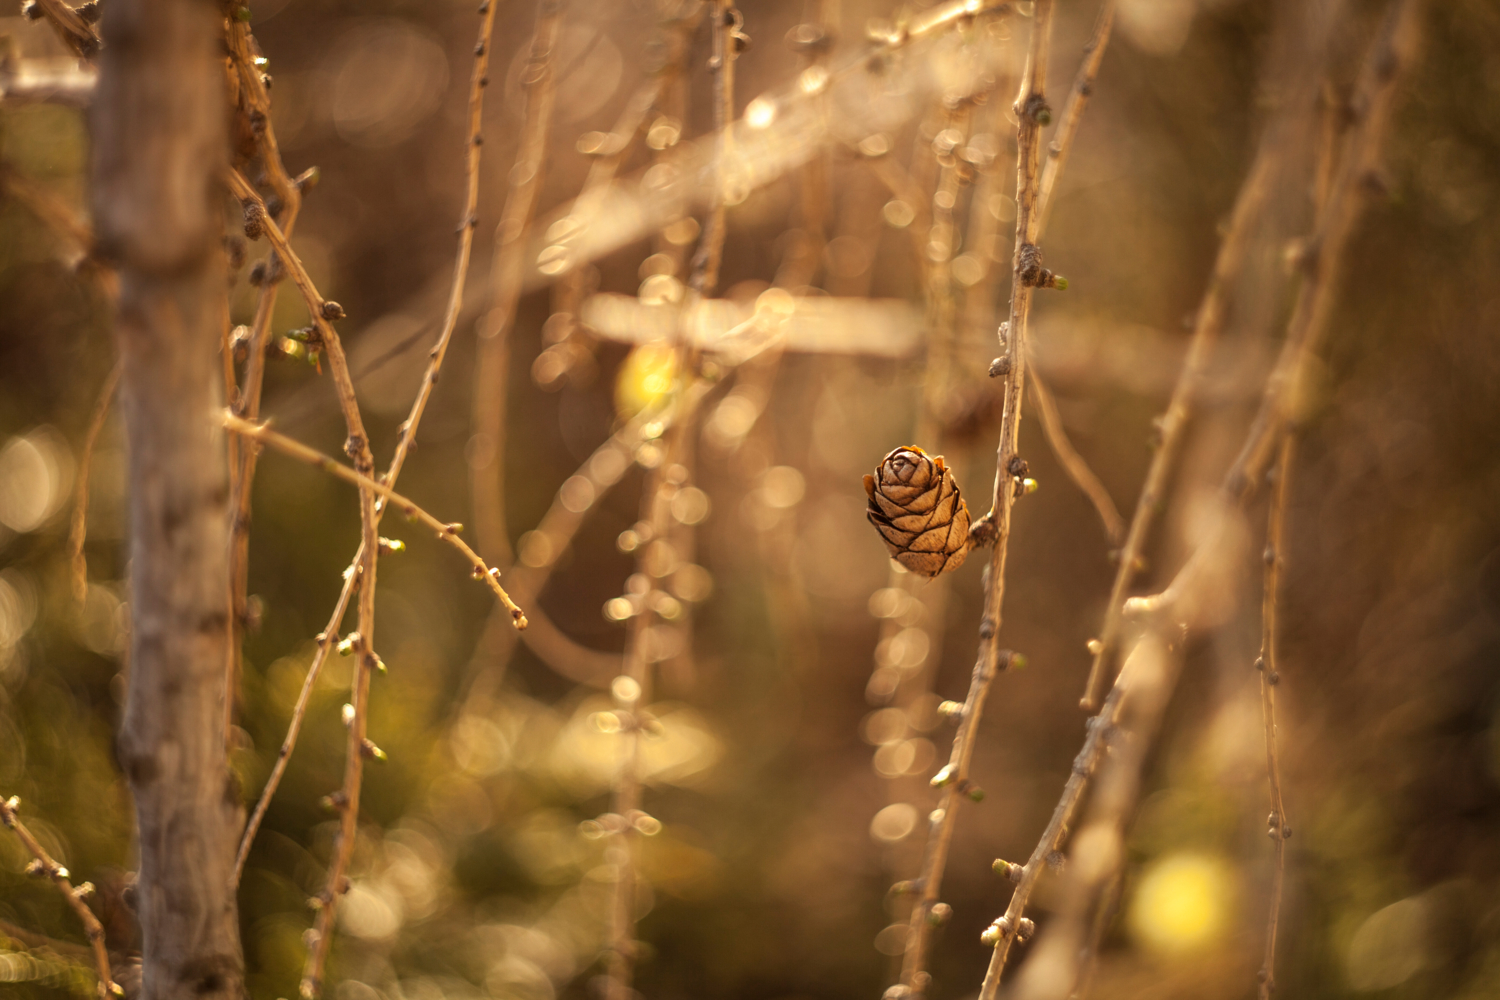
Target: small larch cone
(915,505)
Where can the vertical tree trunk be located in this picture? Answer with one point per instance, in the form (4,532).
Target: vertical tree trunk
(159,134)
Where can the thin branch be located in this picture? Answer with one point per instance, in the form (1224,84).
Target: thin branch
(1057,157)
(445,530)
(251,98)
(492,367)
(1073,463)
(357,446)
(78,530)
(727,40)
(41,942)
(1146,684)
(1388,56)
(478,82)
(1031,108)
(1269,668)
(42,81)
(1072,114)
(43,865)
(1253,195)
(632,689)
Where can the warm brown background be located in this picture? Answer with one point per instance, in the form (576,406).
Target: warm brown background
(472,879)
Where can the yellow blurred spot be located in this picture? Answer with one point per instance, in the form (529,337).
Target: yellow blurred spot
(1183,903)
(645,377)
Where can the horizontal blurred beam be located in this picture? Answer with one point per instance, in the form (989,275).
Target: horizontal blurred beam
(46,81)
(778,132)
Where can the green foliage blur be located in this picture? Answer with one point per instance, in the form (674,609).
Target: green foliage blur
(478,873)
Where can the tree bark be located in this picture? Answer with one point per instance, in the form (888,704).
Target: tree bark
(159,150)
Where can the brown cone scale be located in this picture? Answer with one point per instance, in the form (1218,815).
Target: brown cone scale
(916,507)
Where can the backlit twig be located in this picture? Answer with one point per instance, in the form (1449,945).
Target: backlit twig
(43,865)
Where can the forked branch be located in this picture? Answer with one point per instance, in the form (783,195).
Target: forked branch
(44,866)
(446,531)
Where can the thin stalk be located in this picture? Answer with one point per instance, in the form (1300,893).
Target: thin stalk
(632,689)
(78,530)
(1269,668)
(1031,105)
(478,82)
(357,446)
(492,367)
(44,865)
(1057,157)
(446,531)
(1391,53)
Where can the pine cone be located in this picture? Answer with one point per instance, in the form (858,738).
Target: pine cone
(915,505)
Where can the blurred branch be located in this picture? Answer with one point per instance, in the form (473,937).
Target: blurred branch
(445,531)
(1273,151)
(1073,463)
(1145,687)
(492,367)
(78,528)
(1269,670)
(1072,113)
(478,82)
(44,866)
(35,941)
(789,128)
(1181,603)
(44,81)
(1057,157)
(656,559)
(75,32)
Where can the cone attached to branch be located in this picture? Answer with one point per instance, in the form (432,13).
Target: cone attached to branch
(916,507)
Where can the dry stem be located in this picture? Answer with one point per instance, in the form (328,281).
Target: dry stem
(1057,157)
(633,687)
(78,530)
(1212,311)
(445,530)
(1072,114)
(492,367)
(1268,667)
(45,865)
(358,448)
(1030,106)
(479,80)
(1390,53)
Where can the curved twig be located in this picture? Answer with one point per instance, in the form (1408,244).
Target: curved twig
(44,865)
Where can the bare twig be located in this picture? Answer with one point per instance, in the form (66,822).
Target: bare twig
(1212,311)
(39,942)
(1146,685)
(446,531)
(478,82)
(492,367)
(78,530)
(43,865)
(1389,55)
(632,689)
(1072,113)
(1031,111)
(357,446)
(1073,463)
(1269,668)
(1057,157)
